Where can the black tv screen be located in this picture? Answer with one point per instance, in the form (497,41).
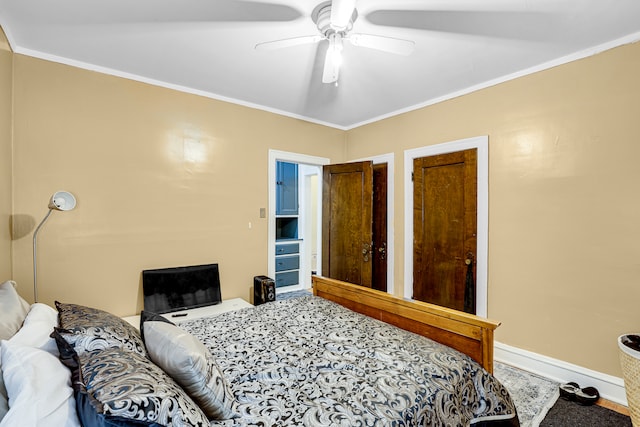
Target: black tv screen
(180,288)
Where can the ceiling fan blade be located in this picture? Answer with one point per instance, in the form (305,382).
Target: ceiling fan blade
(341,12)
(190,11)
(504,24)
(319,95)
(385,44)
(331,70)
(294,41)
(333,60)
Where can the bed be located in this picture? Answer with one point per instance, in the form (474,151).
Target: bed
(302,361)
(467,333)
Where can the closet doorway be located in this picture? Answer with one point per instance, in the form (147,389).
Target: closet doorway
(354,223)
(444,229)
(480,145)
(311,249)
(294,242)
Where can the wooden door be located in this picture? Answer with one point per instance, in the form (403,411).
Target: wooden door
(379,251)
(444,228)
(347,205)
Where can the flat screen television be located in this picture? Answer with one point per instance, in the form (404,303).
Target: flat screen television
(180,288)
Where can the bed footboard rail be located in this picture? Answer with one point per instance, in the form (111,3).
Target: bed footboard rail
(464,332)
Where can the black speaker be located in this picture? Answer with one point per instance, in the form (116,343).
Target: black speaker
(264,290)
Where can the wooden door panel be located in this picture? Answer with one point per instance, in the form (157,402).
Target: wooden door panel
(379,279)
(445,188)
(441,237)
(347,222)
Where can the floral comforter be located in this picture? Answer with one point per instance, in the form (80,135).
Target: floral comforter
(310,362)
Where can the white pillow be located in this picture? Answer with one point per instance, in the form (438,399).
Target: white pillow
(37,328)
(39,388)
(4,399)
(191,365)
(13,310)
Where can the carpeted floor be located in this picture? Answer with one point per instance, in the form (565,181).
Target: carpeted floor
(571,414)
(292,294)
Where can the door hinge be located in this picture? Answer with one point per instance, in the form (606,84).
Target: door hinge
(412,176)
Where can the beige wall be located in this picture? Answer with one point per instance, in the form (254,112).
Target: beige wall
(6,75)
(564,203)
(118,145)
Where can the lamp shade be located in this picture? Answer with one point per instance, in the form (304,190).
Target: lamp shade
(62,201)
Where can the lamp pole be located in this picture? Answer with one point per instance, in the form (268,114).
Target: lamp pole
(35,257)
(60,201)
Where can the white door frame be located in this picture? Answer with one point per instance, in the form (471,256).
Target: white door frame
(275,156)
(481,143)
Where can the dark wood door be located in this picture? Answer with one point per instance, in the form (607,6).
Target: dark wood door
(347,205)
(379,254)
(444,228)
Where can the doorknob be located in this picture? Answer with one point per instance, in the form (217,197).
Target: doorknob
(382,250)
(366,250)
(469,258)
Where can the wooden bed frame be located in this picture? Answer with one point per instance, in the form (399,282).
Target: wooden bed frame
(465,332)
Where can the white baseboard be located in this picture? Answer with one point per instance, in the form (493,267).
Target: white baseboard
(610,387)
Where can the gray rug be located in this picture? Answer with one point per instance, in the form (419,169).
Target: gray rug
(533,395)
(292,294)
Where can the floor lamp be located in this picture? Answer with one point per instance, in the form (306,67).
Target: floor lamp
(60,201)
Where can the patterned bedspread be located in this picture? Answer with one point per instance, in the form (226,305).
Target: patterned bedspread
(310,362)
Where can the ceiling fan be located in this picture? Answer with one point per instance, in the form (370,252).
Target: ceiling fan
(334,20)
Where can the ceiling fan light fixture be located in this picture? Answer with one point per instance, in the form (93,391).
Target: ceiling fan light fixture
(334,20)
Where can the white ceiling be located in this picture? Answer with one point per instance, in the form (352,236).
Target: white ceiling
(207,47)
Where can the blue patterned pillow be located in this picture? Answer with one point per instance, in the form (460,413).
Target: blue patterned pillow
(88,329)
(119,388)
